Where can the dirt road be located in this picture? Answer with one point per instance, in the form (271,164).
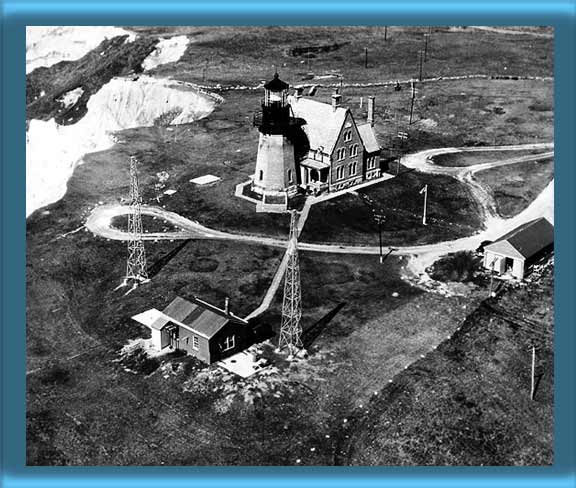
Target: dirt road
(100,220)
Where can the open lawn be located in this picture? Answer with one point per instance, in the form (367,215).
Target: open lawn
(468,402)
(86,407)
(232,55)
(515,187)
(452,213)
(462,159)
(149,224)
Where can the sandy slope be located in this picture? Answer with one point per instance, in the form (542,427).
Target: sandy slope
(167,51)
(48,45)
(52,151)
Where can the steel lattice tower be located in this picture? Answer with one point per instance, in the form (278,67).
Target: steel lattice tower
(136,272)
(291,329)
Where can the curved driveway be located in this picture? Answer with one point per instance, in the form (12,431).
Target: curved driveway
(99,221)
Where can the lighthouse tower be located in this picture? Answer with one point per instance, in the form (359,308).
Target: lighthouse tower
(275,177)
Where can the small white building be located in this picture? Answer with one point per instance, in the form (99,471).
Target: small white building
(515,251)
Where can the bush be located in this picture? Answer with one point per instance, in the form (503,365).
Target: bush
(459,266)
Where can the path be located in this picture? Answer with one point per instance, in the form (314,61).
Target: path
(100,219)
(501,30)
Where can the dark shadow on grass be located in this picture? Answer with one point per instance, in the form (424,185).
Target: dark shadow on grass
(312,332)
(155,268)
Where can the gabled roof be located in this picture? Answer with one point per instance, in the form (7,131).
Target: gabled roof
(526,240)
(197,316)
(368,137)
(323,123)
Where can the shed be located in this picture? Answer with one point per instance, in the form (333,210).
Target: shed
(515,251)
(198,328)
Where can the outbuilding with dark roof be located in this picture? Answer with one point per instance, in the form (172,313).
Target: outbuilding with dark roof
(197,327)
(515,251)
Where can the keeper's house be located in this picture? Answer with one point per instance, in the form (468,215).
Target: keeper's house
(307,144)
(513,253)
(198,328)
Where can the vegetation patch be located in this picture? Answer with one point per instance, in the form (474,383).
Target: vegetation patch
(516,186)
(461,159)
(149,224)
(468,402)
(452,212)
(203,265)
(113,57)
(462,266)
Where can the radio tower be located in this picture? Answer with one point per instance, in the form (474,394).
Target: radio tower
(291,329)
(136,272)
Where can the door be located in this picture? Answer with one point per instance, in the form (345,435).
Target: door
(173,336)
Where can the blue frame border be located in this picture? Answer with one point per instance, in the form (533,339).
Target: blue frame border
(17,14)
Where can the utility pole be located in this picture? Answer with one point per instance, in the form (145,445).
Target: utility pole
(136,272)
(291,329)
(380,219)
(385,33)
(205,69)
(425,191)
(533,379)
(412,98)
(421,60)
(402,136)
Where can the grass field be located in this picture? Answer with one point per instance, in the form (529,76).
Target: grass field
(515,187)
(461,159)
(451,213)
(231,56)
(483,415)
(87,405)
(114,416)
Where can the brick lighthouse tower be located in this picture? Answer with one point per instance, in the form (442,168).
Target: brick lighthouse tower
(275,177)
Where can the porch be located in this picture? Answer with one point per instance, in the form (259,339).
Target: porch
(314,175)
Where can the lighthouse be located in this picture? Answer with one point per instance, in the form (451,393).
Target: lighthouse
(275,178)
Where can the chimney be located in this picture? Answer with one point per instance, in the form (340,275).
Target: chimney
(298,92)
(370,118)
(227,306)
(336,99)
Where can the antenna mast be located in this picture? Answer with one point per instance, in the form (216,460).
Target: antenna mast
(291,329)
(136,272)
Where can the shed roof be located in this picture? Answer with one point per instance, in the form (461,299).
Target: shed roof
(368,137)
(526,240)
(195,315)
(323,122)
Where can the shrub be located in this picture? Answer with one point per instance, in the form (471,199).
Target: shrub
(459,266)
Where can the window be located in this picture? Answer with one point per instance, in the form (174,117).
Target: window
(290,176)
(229,343)
(341,153)
(352,168)
(354,150)
(261,175)
(195,342)
(340,172)
(347,136)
